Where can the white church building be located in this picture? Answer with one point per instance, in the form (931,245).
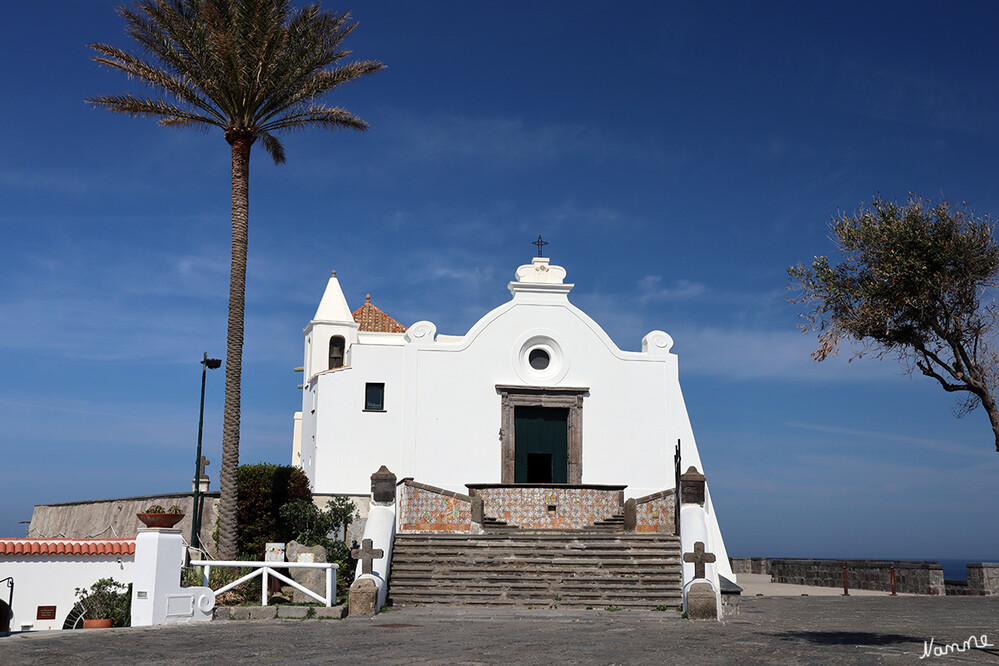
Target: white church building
(534,395)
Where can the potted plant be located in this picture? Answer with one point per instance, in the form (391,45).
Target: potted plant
(106,603)
(157,516)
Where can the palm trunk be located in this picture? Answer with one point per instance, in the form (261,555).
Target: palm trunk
(234,344)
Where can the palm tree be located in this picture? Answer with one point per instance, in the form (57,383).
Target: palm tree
(252,68)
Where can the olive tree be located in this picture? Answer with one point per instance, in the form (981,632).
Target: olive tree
(913,283)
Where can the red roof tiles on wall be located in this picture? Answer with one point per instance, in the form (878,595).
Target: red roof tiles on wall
(67,546)
(371,318)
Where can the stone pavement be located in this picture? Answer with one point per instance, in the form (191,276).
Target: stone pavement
(759,630)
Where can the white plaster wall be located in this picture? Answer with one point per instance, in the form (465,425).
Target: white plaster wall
(456,437)
(51,580)
(351,443)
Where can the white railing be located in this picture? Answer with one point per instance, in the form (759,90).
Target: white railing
(265,569)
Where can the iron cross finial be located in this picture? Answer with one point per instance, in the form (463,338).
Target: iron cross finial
(540,243)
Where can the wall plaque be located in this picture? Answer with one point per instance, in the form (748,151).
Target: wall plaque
(45,613)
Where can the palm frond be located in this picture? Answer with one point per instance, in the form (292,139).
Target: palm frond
(167,113)
(255,66)
(273,147)
(329,118)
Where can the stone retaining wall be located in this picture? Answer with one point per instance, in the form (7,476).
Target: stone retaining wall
(550,506)
(750,565)
(911,577)
(115,518)
(424,508)
(656,512)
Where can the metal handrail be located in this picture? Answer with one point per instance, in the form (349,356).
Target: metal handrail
(263,569)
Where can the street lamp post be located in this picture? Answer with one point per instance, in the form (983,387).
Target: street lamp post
(206,363)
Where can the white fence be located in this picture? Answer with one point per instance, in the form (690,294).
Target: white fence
(266,569)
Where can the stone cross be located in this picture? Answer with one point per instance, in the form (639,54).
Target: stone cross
(202,464)
(699,558)
(366,554)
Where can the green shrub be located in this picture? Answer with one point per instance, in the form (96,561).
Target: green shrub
(311,527)
(263,489)
(107,598)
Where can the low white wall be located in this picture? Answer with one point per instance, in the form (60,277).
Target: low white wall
(51,580)
(694,527)
(380,528)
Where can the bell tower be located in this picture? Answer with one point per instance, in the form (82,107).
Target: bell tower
(331,332)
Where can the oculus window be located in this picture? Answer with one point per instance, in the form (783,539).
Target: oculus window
(374,397)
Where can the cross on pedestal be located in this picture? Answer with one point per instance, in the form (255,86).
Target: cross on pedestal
(366,554)
(203,463)
(699,558)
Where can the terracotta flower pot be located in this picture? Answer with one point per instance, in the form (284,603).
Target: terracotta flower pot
(160,519)
(97,624)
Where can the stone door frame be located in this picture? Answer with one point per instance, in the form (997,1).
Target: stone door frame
(570,398)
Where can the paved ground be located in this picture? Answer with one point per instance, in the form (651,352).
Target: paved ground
(760,630)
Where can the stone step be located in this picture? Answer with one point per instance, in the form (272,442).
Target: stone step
(649,596)
(549,601)
(553,541)
(590,550)
(624,559)
(665,604)
(538,534)
(539,585)
(537,568)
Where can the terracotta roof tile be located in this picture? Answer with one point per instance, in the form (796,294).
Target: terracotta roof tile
(67,546)
(372,319)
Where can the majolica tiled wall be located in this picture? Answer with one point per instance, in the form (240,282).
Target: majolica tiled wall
(551,508)
(426,508)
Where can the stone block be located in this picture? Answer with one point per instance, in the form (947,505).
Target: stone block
(334,612)
(293,612)
(630,515)
(701,602)
(383,486)
(363,598)
(313,579)
(262,612)
(239,613)
(222,613)
(692,487)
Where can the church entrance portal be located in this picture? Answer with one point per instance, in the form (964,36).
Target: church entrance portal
(551,444)
(541,439)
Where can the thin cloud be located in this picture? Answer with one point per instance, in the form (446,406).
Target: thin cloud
(652,290)
(927,443)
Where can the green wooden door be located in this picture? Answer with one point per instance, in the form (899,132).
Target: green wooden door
(541,438)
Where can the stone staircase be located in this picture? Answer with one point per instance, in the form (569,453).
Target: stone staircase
(537,569)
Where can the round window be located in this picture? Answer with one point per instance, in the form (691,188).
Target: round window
(539,359)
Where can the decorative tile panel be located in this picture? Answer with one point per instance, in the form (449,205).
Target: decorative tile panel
(424,508)
(656,512)
(547,507)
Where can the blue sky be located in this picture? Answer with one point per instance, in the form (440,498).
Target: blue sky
(678,157)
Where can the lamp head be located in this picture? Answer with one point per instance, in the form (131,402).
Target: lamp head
(212,363)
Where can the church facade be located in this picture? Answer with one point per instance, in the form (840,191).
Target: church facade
(535,394)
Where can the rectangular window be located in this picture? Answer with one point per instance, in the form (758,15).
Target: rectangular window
(374,397)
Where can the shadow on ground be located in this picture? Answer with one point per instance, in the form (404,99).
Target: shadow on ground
(847,638)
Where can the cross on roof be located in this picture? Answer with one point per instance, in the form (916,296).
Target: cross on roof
(366,554)
(540,243)
(699,558)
